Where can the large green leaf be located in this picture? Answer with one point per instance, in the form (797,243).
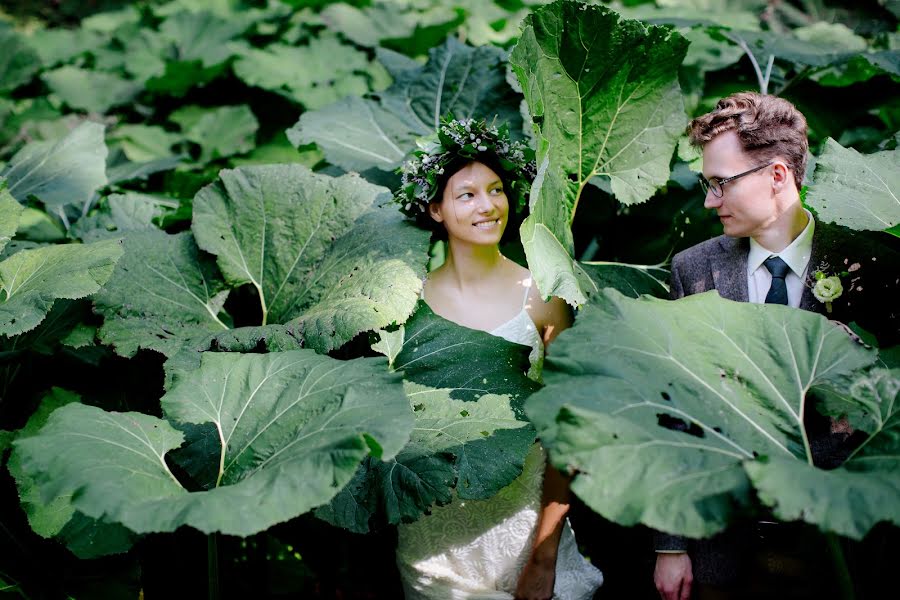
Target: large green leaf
(466,389)
(88,90)
(316,249)
(67,171)
(118,213)
(219,132)
(31,280)
(603,94)
(866,489)
(18,62)
(409,26)
(143,143)
(361,133)
(10,213)
(61,45)
(56,517)
(293,428)
(660,406)
(299,73)
(631,280)
(859,191)
(164,295)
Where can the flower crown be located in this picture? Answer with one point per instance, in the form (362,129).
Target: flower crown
(467,139)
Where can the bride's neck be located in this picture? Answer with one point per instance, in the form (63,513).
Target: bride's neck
(471,265)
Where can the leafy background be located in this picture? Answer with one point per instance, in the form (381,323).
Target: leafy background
(162,161)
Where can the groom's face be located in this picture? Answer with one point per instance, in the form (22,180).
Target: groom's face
(748,204)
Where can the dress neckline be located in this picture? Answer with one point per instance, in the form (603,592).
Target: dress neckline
(512,319)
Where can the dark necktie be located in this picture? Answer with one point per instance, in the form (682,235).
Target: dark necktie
(778,291)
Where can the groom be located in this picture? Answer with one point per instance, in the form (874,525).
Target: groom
(754,159)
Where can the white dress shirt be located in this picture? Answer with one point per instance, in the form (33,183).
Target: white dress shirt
(796,256)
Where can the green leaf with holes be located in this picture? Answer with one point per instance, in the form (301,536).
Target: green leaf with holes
(663,408)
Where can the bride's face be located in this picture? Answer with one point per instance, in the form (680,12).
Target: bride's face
(473,207)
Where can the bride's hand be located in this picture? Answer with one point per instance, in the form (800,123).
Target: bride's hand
(536,580)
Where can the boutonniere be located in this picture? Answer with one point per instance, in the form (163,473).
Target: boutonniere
(827,287)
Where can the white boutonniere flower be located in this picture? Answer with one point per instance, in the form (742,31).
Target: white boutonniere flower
(827,288)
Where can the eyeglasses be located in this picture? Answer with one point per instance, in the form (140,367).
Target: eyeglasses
(717,186)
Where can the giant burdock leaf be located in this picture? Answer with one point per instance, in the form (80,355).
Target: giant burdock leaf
(56,517)
(92,91)
(466,389)
(380,130)
(18,62)
(10,213)
(316,248)
(67,171)
(219,132)
(662,407)
(857,190)
(866,489)
(299,73)
(31,280)
(163,295)
(603,94)
(293,428)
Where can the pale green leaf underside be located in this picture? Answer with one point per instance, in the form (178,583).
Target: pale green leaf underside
(604,96)
(361,133)
(67,171)
(31,280)
(735,374)
(294,427)
(860,191)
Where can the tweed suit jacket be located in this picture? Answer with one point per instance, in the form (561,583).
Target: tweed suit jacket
(870,290)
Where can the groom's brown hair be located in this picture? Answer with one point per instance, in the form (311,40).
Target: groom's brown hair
(767,127)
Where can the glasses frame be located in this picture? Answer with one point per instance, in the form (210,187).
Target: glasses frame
(706,184)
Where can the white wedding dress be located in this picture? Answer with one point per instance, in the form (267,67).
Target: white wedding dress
(475,549)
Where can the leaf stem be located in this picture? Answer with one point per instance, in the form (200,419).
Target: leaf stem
(212,556)
(762,79)
(262,303)
(845,583)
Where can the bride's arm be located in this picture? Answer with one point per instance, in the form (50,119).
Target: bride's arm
(539,574)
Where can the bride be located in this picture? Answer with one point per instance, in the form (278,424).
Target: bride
(517,544)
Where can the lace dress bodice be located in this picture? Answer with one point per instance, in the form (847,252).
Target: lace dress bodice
(475,549)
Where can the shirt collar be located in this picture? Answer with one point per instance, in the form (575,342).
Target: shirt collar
(796,255)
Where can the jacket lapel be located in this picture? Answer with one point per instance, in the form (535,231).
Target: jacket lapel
(807,300)
(729,268)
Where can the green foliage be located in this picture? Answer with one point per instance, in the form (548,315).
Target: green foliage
(62,172)
(31,280)
(318,250)
(466,390)
(672,412)
(858,191)
(379,132)
(605,101)
(119,126)
(292,426)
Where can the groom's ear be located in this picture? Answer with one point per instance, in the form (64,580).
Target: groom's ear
(781,176)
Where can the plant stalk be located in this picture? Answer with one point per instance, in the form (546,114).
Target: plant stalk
(845,583)
(212,557)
